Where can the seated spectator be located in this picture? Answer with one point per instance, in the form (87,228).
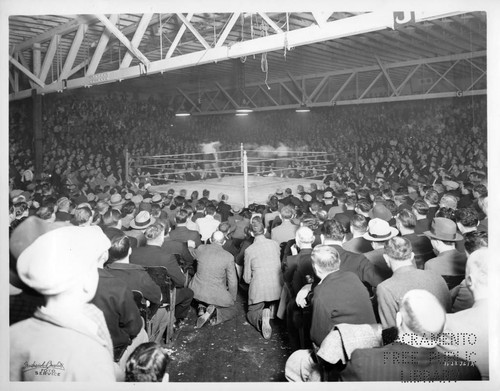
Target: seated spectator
(124,321)
(181,233)
(483,204)
(472,321)
(358,244)
(352,303)
(152,254)
(63,209)
(82,216)
(419,318)
(207,225)
(421,209)
(449,263)
(215,283)
(67,322)
(420,244)
(147,363)
(405,277)
(378,233)
(138,225)
(136,278)
(286,230)
(461,295)
(467,221)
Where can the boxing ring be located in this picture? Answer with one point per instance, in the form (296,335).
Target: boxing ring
(246,176)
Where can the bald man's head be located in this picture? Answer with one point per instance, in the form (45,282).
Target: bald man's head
(421,313)
(218,238)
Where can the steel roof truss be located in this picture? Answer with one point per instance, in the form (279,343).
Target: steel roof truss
(73,51)
(19,66)
(227,29)
(123,39)
(266,93)
(227,95)
(319,89)
(290,92)
(49,57)
(374,81)
(342,88)
(212,103)
(195,106)
(406,80)
(136,40)
(270,22)
(386,74)
(178,37)
(101,47)
(195,32)
(442,76)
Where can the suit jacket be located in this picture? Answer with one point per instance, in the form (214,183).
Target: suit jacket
(136,278)
(215,281)
(155,256)
(448,263)
(358,245)
(376,258)
(388,363)
(284,232)
(422,248)
(114,298)
(359,265)
(391,291)
(174,247)
(470,322)
(422,226)
(224,210)
(262,270)
(182,234)
(345,218)
(303,269)
(339,298)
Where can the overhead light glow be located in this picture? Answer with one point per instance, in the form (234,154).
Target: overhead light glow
(182,114)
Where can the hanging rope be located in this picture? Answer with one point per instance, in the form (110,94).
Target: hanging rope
(472,79)
(160,31)
(264,66)
(286,35)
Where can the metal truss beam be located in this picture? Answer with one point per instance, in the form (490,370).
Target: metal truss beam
(136,40)
(123,39)
(101,47)
(19,66)
(280,96)
(327,30)
(73,51)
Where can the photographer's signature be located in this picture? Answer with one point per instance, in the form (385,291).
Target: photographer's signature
(49,368)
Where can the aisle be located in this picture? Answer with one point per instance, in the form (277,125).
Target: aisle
(230,352)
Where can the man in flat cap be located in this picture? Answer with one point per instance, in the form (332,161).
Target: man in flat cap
(67,339)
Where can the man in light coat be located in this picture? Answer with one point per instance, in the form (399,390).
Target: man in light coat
(262,271)
(215,283)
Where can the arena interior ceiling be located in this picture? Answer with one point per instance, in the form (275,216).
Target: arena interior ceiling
(209,63)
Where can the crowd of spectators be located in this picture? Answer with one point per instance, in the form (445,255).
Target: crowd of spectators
(407,222)
(89,136)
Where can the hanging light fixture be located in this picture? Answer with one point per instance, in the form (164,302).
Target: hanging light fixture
(303,109)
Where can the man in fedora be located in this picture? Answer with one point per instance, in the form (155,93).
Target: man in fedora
(378,233)
(116,201)
(141,221)
(450,262)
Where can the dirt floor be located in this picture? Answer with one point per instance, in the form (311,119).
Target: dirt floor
(233,351)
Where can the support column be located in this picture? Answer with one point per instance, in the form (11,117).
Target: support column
(245,178)
(37,132)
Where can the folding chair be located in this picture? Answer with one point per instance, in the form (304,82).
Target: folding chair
(159,275)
